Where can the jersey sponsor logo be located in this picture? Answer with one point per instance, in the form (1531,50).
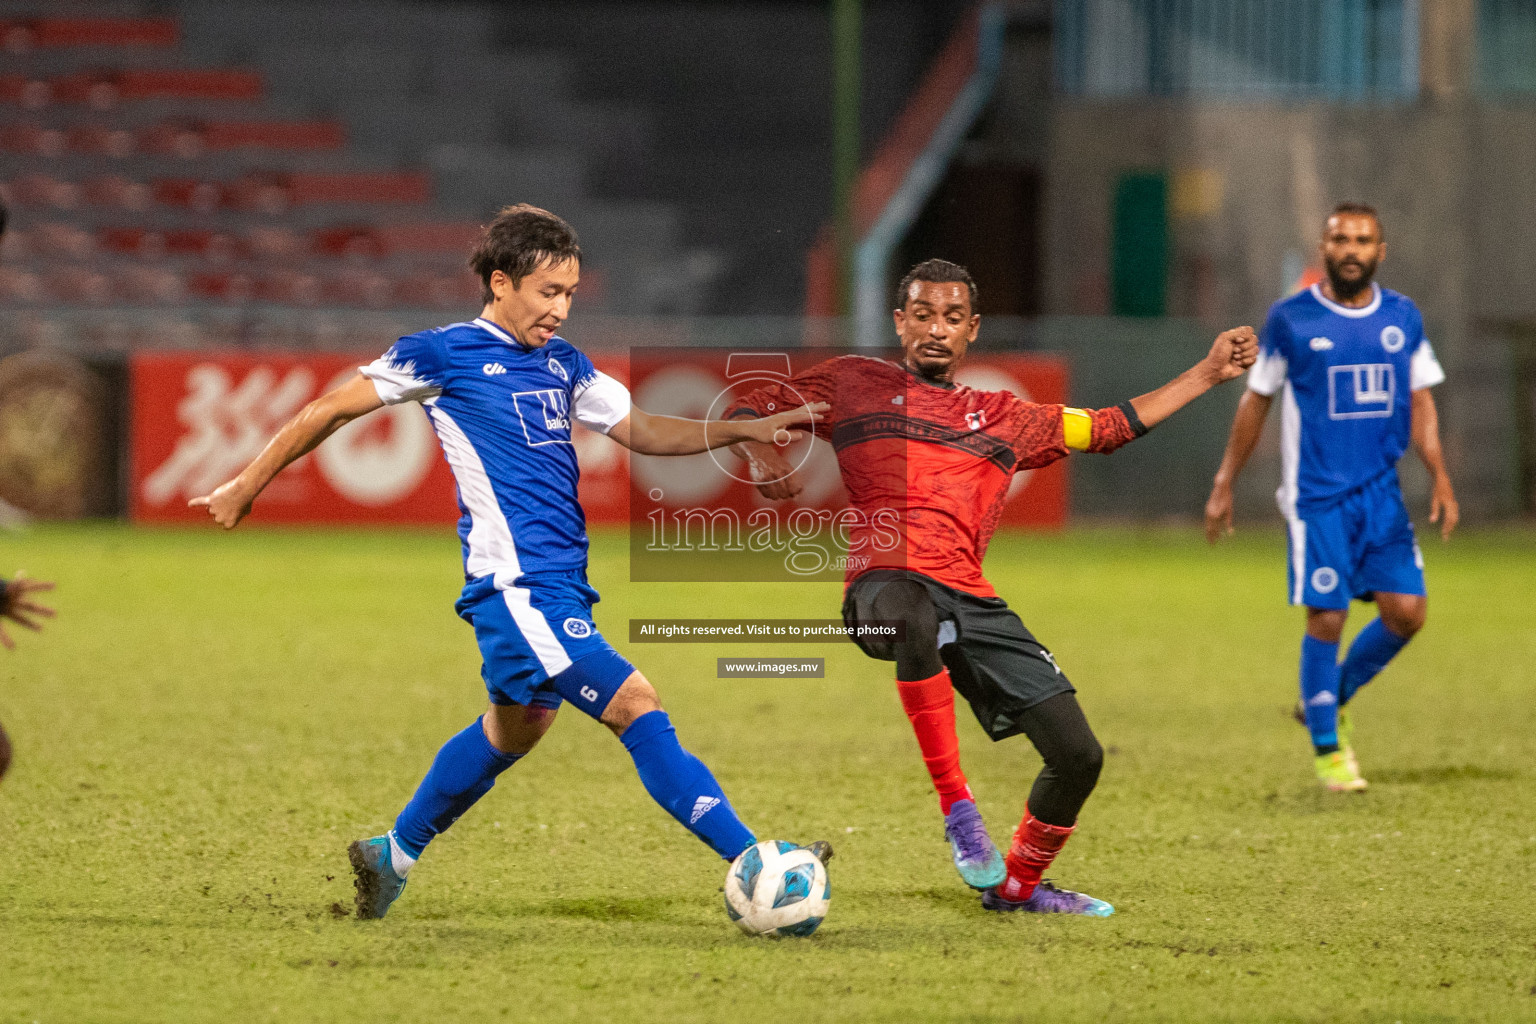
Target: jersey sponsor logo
(1361,391)
(558,370)
(578,629)
(702,806)
(1392,338)
(1324,580)
(976,420)
(545,416)
(1320,344)
(493,369)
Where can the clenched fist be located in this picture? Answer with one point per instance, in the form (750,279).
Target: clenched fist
(1232,353)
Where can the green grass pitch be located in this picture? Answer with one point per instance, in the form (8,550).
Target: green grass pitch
(213,717)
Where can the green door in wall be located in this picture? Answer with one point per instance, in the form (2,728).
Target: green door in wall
(1139,274)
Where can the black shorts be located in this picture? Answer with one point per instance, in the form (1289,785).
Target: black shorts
(994,662)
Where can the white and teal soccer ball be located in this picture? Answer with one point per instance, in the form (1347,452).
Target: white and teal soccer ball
(777,888)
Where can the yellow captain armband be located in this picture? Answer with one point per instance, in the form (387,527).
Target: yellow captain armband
(1077,428)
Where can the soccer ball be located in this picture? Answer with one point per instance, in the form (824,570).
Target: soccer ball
(777,888)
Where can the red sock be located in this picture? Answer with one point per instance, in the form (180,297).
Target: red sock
(930,707)
(1035,845)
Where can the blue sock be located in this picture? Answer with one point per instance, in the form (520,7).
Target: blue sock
(1373,648)
(1320,692)
(683,785)
(463,771)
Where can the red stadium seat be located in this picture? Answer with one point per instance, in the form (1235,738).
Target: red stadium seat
(24,91)
(39,190)
(114,190)
(146,283)
(355,241)
(101,140)
(384,187)
(427,238)
(24,36)
(274,244)
(104,90)
(359,288)
(33,139)
(222,286)
(288,135)
(188,193)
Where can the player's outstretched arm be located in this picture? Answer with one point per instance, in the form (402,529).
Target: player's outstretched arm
(1443,508)
(648,434)
(1230,356)
(231,502)
(1247,425)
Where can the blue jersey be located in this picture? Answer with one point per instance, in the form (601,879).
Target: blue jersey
(1348,376)
(502,412)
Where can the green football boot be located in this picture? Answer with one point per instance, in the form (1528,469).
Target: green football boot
(1338,773)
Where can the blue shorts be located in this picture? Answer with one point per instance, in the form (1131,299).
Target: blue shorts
(538,644)
(1361,544)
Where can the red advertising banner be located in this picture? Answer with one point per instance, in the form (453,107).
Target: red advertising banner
(197,418)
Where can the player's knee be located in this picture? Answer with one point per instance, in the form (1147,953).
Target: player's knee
(517,728)
(1085,762)
(908,602)
(635,698)
(1325,624)
(1407,620)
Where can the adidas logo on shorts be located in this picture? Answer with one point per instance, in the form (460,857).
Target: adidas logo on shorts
(702,806)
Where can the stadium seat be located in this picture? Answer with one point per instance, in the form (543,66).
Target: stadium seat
(105,90)
(21,36)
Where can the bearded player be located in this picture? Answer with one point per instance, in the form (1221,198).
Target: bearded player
(941,456)
(1355,369)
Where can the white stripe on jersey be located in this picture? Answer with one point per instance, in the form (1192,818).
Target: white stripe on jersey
(1290,452)
(1424,370)
(1298,557)
(1353,312)
(536,631)
(482,322)
(491,547)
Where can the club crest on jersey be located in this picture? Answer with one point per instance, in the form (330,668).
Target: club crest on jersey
(1321,344)
(545,416)
(558,370)
(1392,338)
(493,369)
(975,420)
(578,629)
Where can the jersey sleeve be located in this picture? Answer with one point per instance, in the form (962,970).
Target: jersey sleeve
(1269,370)
(1051,432)
(598,401)
(413,370)
(1424,370)
(816,384)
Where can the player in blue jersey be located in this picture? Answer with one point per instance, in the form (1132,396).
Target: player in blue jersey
(1354,370)
(501,392)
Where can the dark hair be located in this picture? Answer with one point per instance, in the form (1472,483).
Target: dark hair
(1351,209)
(938,272)
(519,241)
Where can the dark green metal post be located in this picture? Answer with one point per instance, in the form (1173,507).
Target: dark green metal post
(846,17)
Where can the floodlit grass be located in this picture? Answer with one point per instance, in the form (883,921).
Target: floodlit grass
(213,717)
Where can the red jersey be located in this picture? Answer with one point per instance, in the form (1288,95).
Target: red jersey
(927,467)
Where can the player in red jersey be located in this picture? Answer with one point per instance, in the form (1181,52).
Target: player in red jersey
(940,456)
